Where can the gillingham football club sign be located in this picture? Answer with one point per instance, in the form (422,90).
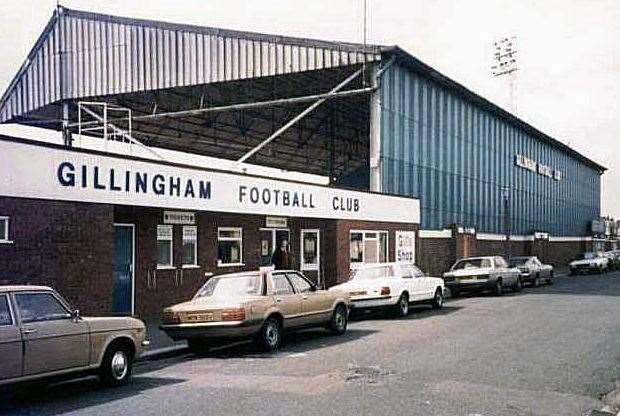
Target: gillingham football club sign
(32,171)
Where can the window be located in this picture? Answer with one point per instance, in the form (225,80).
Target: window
(4,230)
(229,246)
(231,287)
(309,249)
(35,307)
(301,284)
(500,262)
(281,285)
(410,271)
(5,312)
(190,247)
(368,246)
(164,245)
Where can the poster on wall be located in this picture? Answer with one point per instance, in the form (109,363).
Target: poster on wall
(405,246)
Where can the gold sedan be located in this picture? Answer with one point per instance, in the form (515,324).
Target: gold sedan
(40,336)
(260,304)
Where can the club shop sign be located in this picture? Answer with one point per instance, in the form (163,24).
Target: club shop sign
(33,171)
(531,165)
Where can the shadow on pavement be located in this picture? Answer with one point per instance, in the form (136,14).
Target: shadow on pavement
(415,312)
(69,396)
(293,343)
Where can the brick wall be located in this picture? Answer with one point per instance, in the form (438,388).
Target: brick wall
(65,245)
(436,255)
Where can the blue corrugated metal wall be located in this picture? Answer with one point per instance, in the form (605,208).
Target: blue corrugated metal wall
(456,157)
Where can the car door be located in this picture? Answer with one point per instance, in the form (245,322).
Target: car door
(316,306)
(52,339)
(286,300)
(536,267)
(10,341)
(427,282)
(415,285)
(509,275)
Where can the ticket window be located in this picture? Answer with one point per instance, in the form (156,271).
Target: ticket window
(270,238)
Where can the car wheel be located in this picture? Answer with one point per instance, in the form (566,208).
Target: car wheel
(438,299)
(517,286)
(499,289)
(198,346)
(338,323)
(550,279)
(402,307)
(270,335)
(536,281)
(116,365)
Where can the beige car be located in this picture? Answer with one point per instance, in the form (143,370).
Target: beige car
(40,336)
(260,304)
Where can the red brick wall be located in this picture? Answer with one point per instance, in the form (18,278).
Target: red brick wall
(65,245)
(435,255)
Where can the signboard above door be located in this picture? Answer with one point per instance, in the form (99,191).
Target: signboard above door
(275,222)
(179,217)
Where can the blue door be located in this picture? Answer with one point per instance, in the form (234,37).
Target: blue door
(123,269)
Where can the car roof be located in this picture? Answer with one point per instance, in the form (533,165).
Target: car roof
(21,288)
(477,258)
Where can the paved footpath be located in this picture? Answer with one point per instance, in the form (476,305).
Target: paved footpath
(553,350)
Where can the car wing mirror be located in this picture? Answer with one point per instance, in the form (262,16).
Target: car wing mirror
(75,315)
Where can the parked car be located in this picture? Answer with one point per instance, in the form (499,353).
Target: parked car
(614,259)
(592,261)
(260,304)
(532,270)
(482,273)
(391,286)
(41,336)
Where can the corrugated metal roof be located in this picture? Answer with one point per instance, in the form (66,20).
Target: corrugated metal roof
(83,54)
(420,67)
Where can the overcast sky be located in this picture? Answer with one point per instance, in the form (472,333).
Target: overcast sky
(568,84)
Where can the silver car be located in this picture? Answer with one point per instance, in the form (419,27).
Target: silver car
(533,271)
(482,273)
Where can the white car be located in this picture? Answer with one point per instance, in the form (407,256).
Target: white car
(393,286)
(482,273)
(588,262)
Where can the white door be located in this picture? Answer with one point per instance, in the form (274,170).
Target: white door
(415,282)
(310,255)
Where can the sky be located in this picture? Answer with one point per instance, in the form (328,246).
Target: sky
(567,85)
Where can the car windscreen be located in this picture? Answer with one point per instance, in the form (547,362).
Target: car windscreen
(518,261)
(472,264)
(371,272)
(589,256)
(231,286)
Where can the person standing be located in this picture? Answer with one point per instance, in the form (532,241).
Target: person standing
(282,259)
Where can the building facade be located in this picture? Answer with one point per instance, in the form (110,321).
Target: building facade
(466,159)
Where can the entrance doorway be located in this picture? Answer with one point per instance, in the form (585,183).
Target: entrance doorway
(123,276)
(310,255)
(270,239)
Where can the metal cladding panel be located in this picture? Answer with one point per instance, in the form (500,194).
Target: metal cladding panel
(84,54)
(456,157)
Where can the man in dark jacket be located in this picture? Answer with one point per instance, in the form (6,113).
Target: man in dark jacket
(282,258)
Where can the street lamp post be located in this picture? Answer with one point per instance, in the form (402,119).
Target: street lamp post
(507,222)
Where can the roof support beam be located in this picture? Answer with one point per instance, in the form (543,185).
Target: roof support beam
(302,115)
